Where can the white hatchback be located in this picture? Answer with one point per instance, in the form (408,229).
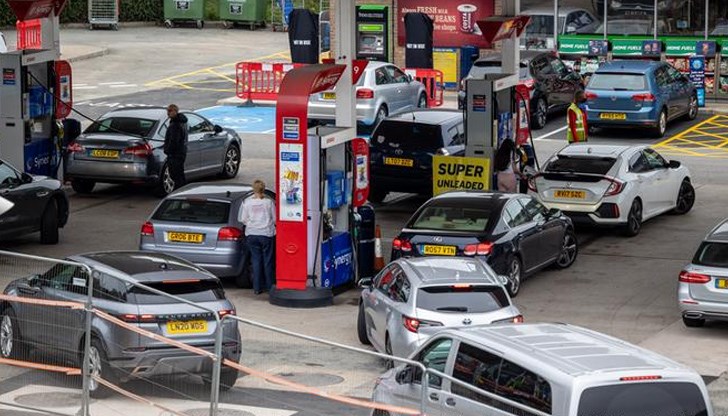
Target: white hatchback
(607,185)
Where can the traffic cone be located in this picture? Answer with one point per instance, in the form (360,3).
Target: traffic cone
(378,257)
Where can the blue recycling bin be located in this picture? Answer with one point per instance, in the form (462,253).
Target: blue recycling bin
(468,56)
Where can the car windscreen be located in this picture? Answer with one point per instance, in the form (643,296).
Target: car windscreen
(138,127)
(640,399)
(591,165)
(462,298)
(712,254)
(617,82)
(193,211)
(452,218)
(408,136)
(193,290)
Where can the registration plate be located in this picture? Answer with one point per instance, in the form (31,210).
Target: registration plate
(721,283)
(187,327)
(329,95)
(613,116)
(396,161)
(185,237)
(105,154)
(438,250)
(569,194)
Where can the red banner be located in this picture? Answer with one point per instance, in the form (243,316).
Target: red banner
(454,20)
(35,9)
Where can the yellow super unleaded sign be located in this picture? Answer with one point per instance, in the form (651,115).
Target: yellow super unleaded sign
(450,173)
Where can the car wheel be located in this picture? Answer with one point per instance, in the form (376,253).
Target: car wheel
(99,368)
(422,101)
(232,162)
(168,24)
(382,113)
(661,127)
(634,219)
(685,198)
(693,323)
(165,186)
(11,344)
(540,113)
(361,326)
(228,378)
(515,275)
(693,108)
(83,186)
(49,224)
(377,195)
(388,350)
(200,24)
(569,250)
(379,412)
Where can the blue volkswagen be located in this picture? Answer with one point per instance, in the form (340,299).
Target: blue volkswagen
(639,93)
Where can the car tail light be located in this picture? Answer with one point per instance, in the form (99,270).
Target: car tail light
(364,94)
(640,378)
(518,319)
(647,97)
(147,229)
(590,95)
(133,318)
(690,277)
(226,312)
(414,324)
(75,147)
(401,244)
(482,249)
(229,234)
(616,186)
(142,150)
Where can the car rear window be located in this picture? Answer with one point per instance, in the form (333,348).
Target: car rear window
(592,165)
(712,255)
(452,218)
(408,136)
(461,299)
(193,291)
(640,399)
(193,211)
(618,82)
(139,127)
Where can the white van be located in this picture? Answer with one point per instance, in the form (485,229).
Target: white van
(540,370)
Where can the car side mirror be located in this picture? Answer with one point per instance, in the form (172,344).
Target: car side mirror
(409,78)
(674,164)
(26,178)
(365,283)
(406,376)
(217,129)
(553,212)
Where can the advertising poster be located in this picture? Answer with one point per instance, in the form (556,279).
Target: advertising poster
(450,173)
(454,20)
(697,77)
(290,182)
(446,60)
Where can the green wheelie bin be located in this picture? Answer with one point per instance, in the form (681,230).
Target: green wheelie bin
(184,11)
(250,13)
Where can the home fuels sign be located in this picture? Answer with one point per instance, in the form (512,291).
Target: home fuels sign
(451,173)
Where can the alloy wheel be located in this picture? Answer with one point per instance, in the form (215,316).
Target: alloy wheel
(422,102)
(663,123)
(388,350)
(693,111)
(514,276)
(686,197)
(232,160)
(6,336)
(568,251)
(635,217)
(541,112)
(94,367)
(167,181)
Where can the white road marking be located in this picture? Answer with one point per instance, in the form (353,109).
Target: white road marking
(111,83)
(84,87)
(123,85)
(551,133)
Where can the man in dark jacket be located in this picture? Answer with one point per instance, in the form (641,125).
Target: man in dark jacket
(175,145)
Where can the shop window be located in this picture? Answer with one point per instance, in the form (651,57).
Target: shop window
(681,17)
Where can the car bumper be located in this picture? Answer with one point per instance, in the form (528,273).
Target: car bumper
(220,262)
(698,309)
(113,172)
(647,117)
(592,214)
(365,112)
(171,361)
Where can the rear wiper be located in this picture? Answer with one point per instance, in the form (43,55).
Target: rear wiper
(453,308)
(620,89)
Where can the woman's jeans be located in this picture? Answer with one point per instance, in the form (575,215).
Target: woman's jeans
(261,253)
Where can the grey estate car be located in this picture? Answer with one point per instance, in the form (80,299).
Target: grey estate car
(118,354)
(703,288)
(413,297)
(200,224)
(126,146)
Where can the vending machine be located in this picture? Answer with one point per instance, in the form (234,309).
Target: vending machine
(372,33)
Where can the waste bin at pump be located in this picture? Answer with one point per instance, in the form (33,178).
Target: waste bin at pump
(468,56)
(366,229)
(187,11)
(250,13)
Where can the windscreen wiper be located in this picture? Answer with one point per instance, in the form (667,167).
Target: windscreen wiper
(453,308)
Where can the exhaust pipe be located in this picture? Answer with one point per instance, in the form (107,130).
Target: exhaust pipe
(693,315)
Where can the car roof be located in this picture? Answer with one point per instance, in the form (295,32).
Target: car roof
(154,113)
(526,55)
(134,263)
(563,11)
(376,64)
(629,66)
(565,348)
(471,195)
(596,150)
(222,191)
(428,116)
(445,270)
(719,233)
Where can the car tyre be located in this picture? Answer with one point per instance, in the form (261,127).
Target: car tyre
(634,219)
(515,276)
(99,366)
(540,114)
(661,127)
(422,101)
(685,198)
(231,164)
(388,364)
(693,323)
(11,343)
(692,108)
(377,195)
(83,186)
(361,326)
(382,113)
(165,185)
(49,224)
(379,412)
(569,250)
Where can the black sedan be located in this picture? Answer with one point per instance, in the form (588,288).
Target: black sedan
(513,233)
(39,204)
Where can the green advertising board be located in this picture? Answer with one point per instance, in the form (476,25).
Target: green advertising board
(574,46)
(627,47)
(680,47)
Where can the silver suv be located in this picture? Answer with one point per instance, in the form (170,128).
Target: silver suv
(29,331)
(412,298)
(703,289)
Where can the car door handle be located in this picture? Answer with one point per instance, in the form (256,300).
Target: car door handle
(450,401)
(434,396)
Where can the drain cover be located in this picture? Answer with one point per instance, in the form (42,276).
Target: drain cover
(220,412)
(312,379)
(52,400)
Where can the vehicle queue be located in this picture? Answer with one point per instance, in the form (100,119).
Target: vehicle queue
(456,264)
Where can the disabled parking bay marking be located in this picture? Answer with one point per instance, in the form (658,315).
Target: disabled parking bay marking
(258,119)
(706,139)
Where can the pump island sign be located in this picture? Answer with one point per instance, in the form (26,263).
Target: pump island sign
(454,20)
(451,173)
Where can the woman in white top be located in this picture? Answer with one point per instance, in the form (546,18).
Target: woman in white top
(259,216)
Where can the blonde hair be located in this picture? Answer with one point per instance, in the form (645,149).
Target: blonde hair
(259,187)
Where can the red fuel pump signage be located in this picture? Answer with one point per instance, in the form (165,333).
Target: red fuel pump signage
(35,9)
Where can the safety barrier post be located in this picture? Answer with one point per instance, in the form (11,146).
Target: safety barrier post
(216,368)
(425,389)
(89,314)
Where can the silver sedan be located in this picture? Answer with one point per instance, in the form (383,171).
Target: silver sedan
(382,90)
(412,298)
(125,146)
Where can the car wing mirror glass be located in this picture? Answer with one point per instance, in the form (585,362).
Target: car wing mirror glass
(25,178)
(674,164)
(406,376)
(217,129)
